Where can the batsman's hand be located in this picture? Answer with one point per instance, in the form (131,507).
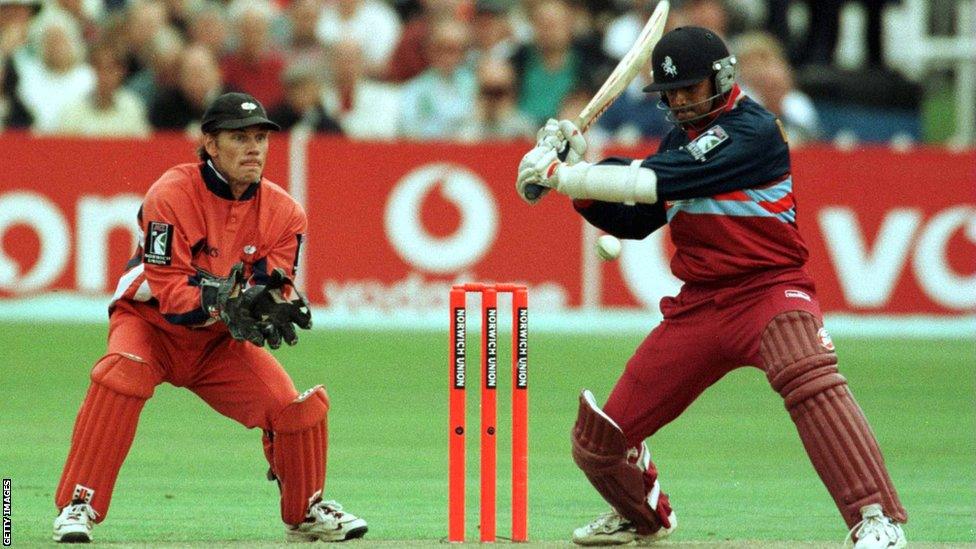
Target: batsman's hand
(561,137)
(536,170)
(565,138)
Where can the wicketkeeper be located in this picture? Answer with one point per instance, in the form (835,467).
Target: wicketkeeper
(721,181)
(208,288)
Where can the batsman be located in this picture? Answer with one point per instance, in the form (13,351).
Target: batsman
(208,287)
(721,181)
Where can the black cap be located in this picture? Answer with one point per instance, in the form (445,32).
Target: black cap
(685,56)
(233,111)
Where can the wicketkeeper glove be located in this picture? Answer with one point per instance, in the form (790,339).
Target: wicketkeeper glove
(269,306)
(259,314)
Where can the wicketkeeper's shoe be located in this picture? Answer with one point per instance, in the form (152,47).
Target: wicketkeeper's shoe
(74,523)
(326,521)
(613,529)
(876,531)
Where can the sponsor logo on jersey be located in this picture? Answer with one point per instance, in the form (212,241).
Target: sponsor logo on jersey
(798,294)
(159,244)
(709,142)
(825,340)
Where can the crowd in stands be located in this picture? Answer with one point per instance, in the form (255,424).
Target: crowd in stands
(369,69)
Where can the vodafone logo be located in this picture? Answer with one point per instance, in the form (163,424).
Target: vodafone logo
(465,191)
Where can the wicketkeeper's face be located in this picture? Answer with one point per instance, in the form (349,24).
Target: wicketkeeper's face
(691,102)
(239,154)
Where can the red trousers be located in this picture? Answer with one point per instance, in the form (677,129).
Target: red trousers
(241,381)
(706,333)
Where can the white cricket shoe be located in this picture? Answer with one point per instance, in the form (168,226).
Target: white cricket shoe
(326,521)
(613,529)
(74,523)
(876,531)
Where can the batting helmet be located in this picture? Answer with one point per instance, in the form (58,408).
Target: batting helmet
(688,55)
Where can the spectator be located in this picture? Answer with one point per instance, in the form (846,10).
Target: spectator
(436,104)
(15,20)
(765,75)
(302,104)
(409,58)
(110,110)
(496,114)
(301,43)
(635,115)
(492,30)
(365,108)
(200,83)
(824,28)
(143,19)
(179,14)
(256,66)
(208,27)
(553,65)
(372,23)
(162,62)
(85,15)
(711,14)
(622,32)
(60,76)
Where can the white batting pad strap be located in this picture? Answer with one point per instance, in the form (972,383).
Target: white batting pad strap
(654,495)
(628,184)
(591,402)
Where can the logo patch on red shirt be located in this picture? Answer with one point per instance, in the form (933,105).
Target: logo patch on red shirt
(798,294)
(159,244)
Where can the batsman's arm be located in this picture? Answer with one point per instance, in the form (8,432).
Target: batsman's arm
(622,220)
(751,156)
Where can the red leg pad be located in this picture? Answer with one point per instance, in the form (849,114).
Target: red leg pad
(600,450)
(800,364)
(300,442)
(103,433)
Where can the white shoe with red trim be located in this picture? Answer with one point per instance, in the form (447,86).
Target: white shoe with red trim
(326,521)
(74,523)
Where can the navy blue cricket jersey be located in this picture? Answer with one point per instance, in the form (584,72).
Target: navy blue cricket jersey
(725,192)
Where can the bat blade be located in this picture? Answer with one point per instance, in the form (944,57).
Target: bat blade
(621,77)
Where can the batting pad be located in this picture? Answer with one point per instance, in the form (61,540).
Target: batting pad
(300,443)
(103,432)
(600,450)
(801,365)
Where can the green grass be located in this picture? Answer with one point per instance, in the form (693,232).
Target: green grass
(732,463)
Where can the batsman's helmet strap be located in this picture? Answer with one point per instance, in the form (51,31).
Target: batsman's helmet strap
(688,55)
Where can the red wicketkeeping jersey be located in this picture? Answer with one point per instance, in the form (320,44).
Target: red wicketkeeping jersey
(190,222)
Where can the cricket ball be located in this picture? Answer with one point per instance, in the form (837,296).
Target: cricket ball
(608,247)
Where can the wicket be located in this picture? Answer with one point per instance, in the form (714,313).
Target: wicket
(520,410)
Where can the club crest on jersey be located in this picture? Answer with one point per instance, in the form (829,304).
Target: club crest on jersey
(668,66)
(158,249)
(707,143)
(825,340)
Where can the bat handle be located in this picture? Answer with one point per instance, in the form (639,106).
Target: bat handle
(533,191)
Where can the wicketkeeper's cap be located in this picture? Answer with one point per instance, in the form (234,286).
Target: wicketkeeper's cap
(685,56)
(233,111)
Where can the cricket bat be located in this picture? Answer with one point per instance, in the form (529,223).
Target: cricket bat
(620,78)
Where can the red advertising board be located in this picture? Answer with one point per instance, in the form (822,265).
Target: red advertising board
(393,224)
